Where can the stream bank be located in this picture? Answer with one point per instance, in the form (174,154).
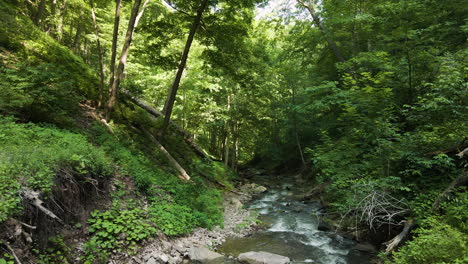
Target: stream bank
(238,222)
(290,227)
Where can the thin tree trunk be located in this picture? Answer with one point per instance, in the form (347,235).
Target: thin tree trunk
(226,139)
(63,12)
(115,36)
(53,15)
(307,4)
(101,66)
(175,84)
(235,146)
(123,58)
(296,133)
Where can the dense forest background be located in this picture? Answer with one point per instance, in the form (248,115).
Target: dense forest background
(367,98)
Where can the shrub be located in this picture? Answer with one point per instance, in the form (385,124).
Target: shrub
(440,244)
(173,219)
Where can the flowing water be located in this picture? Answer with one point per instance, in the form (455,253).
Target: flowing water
(292,229)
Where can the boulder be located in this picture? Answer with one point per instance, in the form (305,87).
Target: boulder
(203,255)
(323,226)
(236,203)
(252,188)
(151,261)
(262,257)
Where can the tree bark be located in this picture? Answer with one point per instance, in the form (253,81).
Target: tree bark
(307,4)
(123,59)
(183,61)
(115,36)
(101,66)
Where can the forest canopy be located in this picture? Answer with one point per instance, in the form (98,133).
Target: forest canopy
(367,98)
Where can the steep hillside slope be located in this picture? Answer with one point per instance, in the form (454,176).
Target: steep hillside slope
(68,179)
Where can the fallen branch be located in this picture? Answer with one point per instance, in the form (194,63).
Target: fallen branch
(151,110)
(33,196)
(182,173)
(394,242)
(11,251)
(462,180)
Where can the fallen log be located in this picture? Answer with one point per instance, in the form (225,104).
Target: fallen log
(394,242)
(151,110)
(182,173)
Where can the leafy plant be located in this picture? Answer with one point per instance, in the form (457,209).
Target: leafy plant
(117,229)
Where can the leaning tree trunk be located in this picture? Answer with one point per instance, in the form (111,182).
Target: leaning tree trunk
(123,59)
(307,4)
(181,173)
(183,61)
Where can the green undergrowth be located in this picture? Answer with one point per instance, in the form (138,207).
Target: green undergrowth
(155,178)
(31,156)
(42,81)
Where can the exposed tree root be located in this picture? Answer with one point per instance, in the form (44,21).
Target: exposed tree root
(33,196)
(11,251)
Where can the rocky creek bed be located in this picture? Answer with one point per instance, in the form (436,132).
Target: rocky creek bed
(291,232)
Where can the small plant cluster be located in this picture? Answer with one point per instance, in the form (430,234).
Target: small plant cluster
(57,252)
(116,229)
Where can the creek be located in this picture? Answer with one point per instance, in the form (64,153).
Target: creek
(292,228)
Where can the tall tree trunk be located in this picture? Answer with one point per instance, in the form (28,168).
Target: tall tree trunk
(235,145)
(213,140)
(79,29)
(63,12)
(53,15)
(115,36)
(296,133)
(98,42)
(132,23)
(226,139)
(307,4)
(175,84)
(40,12)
